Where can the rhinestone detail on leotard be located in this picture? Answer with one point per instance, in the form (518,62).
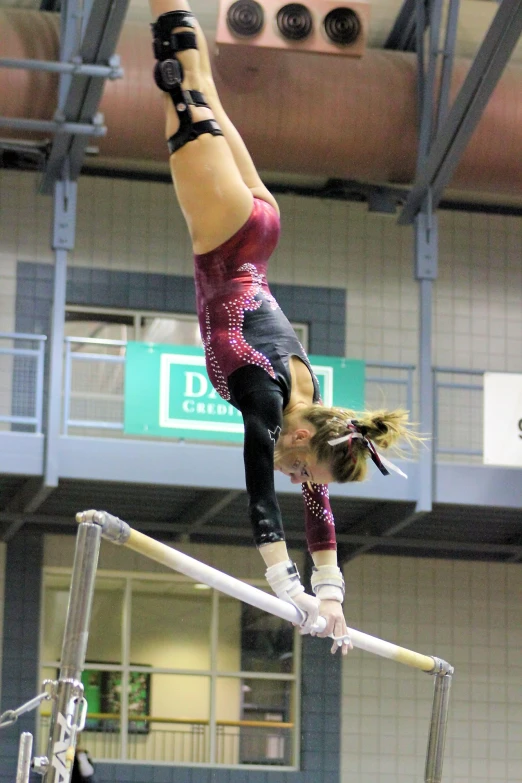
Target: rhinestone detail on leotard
(236,310)
(313,505)
(219,380)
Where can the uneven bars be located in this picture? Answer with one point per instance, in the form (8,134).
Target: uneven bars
(119,532)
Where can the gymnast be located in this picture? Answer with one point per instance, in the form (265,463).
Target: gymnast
(253,357)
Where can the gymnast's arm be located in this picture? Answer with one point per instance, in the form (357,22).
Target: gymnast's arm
(327,579)
(261,406)
(260,401)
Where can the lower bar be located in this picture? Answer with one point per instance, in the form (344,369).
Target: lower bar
(120,532)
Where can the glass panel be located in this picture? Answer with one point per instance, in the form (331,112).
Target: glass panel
(102,734)
(173,330)
(267,642)
(177,728)
(104,637)
(170,625)
(301,331)
(242,707)
(101,325)
(228,714)
(106,618)
(54,612)
(229,635)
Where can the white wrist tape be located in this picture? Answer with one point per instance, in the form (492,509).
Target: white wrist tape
(284,580)
(328,583)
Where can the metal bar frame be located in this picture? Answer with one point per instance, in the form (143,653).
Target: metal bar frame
(89,37)
(54,126)
(64,223)
(39,355)
(451,141)
(68,693)
(75,69)
(69,707)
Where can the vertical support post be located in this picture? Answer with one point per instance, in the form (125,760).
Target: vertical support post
(69,45)
(126,659)
(214,639)
(67,386)
(409,390)
(63,240)
(448,55)
(40,360)
(426,246)
(69,706)
(439,720)
(25,750)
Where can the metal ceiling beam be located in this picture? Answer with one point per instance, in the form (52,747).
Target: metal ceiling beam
(79,94)
(467,109)
(403,33)
(200,519)
(228,534)
(29,497)
(369,543)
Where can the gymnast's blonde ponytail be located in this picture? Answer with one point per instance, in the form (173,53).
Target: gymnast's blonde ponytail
(348,460)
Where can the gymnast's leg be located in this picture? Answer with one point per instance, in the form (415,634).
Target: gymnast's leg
(213,174)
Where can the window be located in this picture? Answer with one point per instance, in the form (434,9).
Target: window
(209,680)
(96,341)
(170,328)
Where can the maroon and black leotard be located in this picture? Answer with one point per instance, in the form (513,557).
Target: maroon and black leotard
(248,344)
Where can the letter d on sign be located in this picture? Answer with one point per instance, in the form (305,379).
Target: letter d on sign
(195,384)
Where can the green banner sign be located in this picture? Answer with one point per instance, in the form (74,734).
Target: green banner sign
(168,393)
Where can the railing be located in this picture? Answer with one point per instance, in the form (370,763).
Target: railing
(187,741)
(93,399)
(397,376)
(458,417)
(93,384)
(24,365)
(93,395)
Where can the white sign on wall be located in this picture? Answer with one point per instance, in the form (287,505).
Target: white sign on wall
(503,419)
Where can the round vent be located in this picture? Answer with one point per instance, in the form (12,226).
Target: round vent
(342,26)
(294,21)
(245,18)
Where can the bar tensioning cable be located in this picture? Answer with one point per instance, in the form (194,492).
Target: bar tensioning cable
(119,532)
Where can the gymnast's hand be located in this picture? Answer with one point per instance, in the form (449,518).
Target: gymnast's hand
(332,611)
(308,604)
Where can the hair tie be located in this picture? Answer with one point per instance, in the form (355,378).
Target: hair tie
(356,430)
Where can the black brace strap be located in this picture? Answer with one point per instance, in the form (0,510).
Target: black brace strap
(188,131)
(165,43)
(168,75)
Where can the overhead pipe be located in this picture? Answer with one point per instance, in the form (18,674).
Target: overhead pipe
(299,113)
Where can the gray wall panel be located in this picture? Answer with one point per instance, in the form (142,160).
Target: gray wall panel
(20,675)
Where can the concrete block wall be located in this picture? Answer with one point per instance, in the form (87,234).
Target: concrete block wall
(468,613)
(136,227)
(21,624)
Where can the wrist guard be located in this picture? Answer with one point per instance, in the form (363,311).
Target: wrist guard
(328,583)
(284,580)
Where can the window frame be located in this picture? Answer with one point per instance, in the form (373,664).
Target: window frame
(213,672)
(301,327)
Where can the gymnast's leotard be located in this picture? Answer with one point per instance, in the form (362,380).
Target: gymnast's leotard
(248,345)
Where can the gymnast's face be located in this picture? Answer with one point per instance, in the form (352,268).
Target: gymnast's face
(296,460)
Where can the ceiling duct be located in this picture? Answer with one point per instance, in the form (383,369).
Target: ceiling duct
(299,113)
(320,26)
